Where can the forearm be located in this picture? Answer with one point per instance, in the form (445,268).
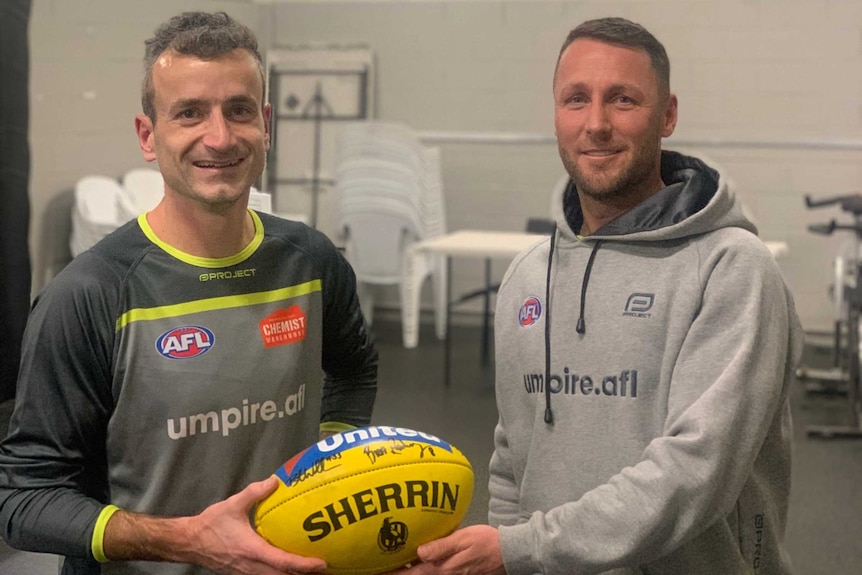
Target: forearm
(133,536)
(220,538)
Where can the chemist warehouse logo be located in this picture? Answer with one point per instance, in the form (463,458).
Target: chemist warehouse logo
(283,327)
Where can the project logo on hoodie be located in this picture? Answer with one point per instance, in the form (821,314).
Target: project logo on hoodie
(531,311)
(639,304)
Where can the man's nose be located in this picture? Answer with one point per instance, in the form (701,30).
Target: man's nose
(219,135)
(598,122)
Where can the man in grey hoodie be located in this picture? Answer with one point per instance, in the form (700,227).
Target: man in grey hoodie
(644,354)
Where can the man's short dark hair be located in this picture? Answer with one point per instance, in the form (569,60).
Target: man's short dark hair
(206,36)
(624,32)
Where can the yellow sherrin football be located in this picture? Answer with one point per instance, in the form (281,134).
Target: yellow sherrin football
(364,500)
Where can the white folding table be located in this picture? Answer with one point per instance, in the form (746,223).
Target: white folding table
(437,253)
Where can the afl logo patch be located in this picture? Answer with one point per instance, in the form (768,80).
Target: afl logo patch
(185,342)
(531,311)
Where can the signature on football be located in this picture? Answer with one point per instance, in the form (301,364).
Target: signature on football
(322,465)
(397,447)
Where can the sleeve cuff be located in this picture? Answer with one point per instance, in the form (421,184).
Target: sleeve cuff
(517,549)
(99,533)
(335,427)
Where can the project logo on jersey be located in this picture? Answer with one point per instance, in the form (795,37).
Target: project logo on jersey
(531,311)
(185,342)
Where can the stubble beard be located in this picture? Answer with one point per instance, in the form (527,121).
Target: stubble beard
(603,186)
(214,197)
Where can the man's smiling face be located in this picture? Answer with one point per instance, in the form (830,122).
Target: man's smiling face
(211,131)
(609,117)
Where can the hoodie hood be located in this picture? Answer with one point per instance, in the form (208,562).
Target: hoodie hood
(695,200)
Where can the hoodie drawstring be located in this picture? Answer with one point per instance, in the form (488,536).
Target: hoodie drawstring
(549,415)
(581,327)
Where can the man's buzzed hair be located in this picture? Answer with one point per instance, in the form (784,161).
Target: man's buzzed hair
(624,32)
(200,34)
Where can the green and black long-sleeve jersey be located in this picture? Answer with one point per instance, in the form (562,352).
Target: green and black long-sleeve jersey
(161,382)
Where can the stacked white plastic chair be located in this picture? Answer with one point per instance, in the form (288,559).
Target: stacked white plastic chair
(95,212)
(260,201)
(143,189)
(389,196)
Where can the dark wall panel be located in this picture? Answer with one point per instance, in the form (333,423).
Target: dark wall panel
(14,181)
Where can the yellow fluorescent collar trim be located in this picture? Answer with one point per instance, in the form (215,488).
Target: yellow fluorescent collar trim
(97,543)
(207,262)
(225,302)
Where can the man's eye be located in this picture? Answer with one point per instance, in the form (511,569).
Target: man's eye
(242,112)
(577,99)
(189,114)
(624,100)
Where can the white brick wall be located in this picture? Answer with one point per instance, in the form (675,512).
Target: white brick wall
(743,70)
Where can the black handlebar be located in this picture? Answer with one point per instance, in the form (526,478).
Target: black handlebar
(849,203)
(810,203)
(824,229)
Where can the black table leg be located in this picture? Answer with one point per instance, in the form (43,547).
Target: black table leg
(447,343)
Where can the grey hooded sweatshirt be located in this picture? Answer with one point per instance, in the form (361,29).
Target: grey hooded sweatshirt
(648,431)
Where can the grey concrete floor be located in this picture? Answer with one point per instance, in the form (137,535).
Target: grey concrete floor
(824,533)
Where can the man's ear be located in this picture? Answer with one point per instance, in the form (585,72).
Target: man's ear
(267,120)
(144,128)
(670,116)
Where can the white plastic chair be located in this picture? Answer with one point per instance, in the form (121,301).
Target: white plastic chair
(389,194)
(95,212)
(260,201)
(414,273)
(142,190)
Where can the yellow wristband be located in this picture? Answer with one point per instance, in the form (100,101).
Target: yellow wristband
(97,543)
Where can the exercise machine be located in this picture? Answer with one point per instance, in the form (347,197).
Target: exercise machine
(844,377)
